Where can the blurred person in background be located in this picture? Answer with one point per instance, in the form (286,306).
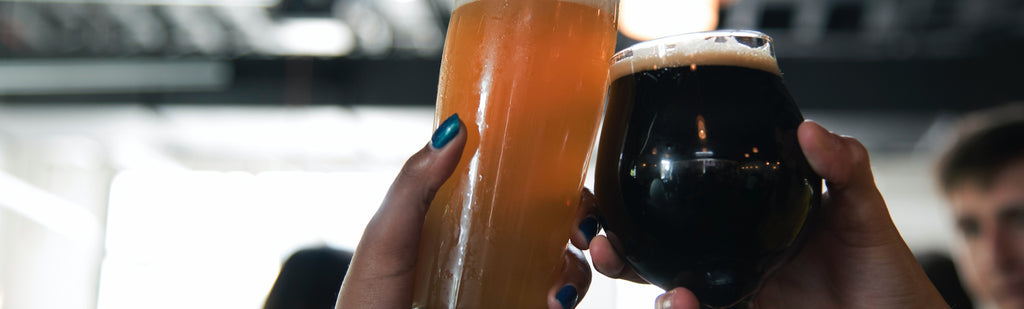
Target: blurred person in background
(941,270)
(309,279)
(982,176)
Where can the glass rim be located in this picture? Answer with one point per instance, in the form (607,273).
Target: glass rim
(691,36)
(600,4)
(756,46)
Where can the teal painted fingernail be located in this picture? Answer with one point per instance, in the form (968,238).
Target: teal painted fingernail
(589,228)
(567,297)
(445,132)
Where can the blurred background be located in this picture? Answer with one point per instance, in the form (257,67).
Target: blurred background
(173,153)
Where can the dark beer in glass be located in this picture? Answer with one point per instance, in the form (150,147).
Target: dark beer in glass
(700,179)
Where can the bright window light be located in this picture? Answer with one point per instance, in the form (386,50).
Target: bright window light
(192,239)
(651,19)
(53,213)
(309,36)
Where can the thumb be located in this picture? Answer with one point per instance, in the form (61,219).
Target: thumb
(421,176)
(677,298)
(383,266)
(856,209)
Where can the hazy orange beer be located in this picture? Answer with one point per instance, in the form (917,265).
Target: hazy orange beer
(528,79)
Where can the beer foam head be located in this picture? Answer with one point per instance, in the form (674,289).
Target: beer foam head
(600,4)
(740,48)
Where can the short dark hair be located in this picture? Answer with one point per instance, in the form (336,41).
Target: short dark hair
(309,279)
(988,142)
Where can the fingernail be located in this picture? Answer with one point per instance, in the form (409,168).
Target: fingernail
(589,228)
(445,132)
(664,301)
(567,296)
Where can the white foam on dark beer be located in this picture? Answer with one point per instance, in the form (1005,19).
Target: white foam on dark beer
(693,50)
(600,4)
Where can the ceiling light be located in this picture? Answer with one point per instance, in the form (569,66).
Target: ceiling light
(650,19)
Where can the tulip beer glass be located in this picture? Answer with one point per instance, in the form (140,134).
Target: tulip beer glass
(700,180)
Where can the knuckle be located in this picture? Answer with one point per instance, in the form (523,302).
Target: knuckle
(420,178)
(613,270)
(858,153)
(427,198)
(415,168)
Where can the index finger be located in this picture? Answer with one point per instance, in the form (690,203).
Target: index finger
(586,222)
(608,262)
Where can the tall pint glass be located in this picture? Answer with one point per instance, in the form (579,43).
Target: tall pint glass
(527,77)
